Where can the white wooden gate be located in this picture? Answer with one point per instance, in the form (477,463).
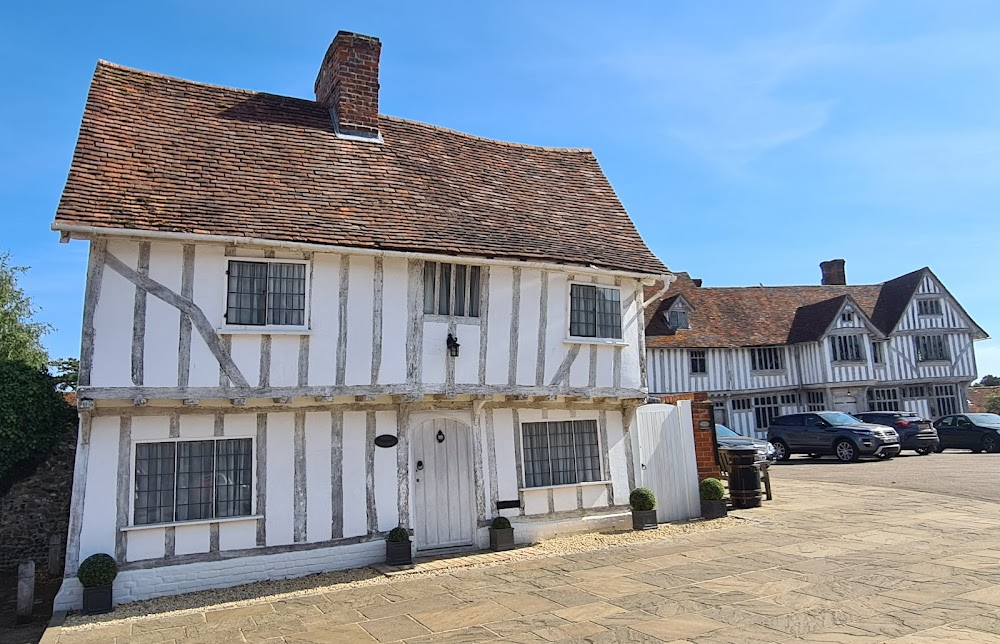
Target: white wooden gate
(443,485)
(666,459)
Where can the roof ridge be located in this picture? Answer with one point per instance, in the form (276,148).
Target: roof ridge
(549,148)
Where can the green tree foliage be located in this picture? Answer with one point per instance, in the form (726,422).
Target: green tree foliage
(993,404)
(988,381)
(20,333)
(33,418)
(66,373)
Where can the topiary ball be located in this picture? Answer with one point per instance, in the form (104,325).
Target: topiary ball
(397,535)
(97,570)
(712,490)
(642,498)
(500,523)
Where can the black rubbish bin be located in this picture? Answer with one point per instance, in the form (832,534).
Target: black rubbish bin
(744,477)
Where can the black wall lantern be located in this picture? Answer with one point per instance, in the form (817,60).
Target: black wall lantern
(453,346)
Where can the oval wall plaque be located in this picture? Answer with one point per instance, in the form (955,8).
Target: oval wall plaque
(386,440)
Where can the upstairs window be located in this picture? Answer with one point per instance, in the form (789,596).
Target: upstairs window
(192,480)
(878,352)
(929,307)
(451,289)
(595,312)
(847,317)
(846,348)
(767,359)
(931,348)
(698,361)
(678,320)
(266,293)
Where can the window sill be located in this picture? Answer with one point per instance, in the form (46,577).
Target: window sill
(263,330)
(699,375)
(849,363)
(177,524)
(457,319)
(599,341)
(563,487)
(933,363)
(769,372)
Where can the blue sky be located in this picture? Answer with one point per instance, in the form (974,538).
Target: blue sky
(749,141)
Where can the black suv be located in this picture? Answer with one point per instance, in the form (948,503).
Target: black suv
(915,433)
(830,432)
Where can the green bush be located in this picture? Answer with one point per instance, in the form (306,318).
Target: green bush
(642,498)
(97,570)
(33,419)
(500,523)
(993,404)
(397,535)
(712,490)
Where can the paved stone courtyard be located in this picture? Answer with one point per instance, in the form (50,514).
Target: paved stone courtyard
(822,563)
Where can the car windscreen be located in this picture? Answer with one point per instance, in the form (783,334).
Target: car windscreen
(985,419)
(838,418)
(724,432)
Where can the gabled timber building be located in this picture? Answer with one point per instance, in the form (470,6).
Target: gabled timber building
(763,351)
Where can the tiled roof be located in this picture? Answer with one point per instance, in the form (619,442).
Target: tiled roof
(164,154)
(978,396)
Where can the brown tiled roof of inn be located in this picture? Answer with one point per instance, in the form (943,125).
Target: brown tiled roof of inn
(165,154)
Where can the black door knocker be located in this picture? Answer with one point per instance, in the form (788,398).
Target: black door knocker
(440,436)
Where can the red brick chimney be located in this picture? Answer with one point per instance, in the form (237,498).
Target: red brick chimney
(347,84)
(833,272)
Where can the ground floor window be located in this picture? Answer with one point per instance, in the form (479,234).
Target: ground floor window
(560,453)
(944,397)
(883,399)
(192,480)
(765,410)
(789,399)
(815,401)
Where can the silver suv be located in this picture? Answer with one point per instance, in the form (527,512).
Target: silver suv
(823,433)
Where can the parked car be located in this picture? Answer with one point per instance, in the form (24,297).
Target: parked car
(727,438)
(830,432)
(915,432)
(978,432)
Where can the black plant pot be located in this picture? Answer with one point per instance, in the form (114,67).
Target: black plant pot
(713,509)
(501,539)
(97,600)
(398,553)
(644,519)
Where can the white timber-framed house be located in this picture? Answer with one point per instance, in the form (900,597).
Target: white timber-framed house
(306,323)
(763,351)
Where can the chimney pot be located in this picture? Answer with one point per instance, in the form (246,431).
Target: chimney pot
(834,273)
(347,84)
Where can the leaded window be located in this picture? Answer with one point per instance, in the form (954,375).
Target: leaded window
(192,480)
(767,359)
(815,401)
(699,363)
(929,307)
(945,399)
(846,348)
(883,399)
(678,319)
(595,312)
(266,293)
(931,347)
(560,453)
(451,289)
(878,352)
(765,409)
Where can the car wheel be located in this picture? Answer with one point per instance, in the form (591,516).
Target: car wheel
(781,452)
(924,451)
(991,444)
(846,451)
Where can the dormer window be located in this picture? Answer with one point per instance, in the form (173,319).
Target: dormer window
(678,319)
(847,317)
(929,307)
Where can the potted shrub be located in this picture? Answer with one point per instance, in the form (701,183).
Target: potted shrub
(643,503)
(501,535)
(713,505)
(96,573)
(397,548)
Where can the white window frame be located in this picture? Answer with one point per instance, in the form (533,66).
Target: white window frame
(266,329)
(254,510)
(768,406)
(464,319)
(582,339)
(847,317)
(679,312)
(883,399)
(839,348)
(605,477)
(926,301)
(878,352)
(778,351)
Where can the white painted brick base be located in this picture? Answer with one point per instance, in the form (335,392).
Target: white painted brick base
(133,585)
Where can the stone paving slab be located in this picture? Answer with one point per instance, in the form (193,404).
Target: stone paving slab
(822,563)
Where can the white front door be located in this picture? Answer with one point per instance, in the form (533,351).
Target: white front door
(443,485)
(845,403)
